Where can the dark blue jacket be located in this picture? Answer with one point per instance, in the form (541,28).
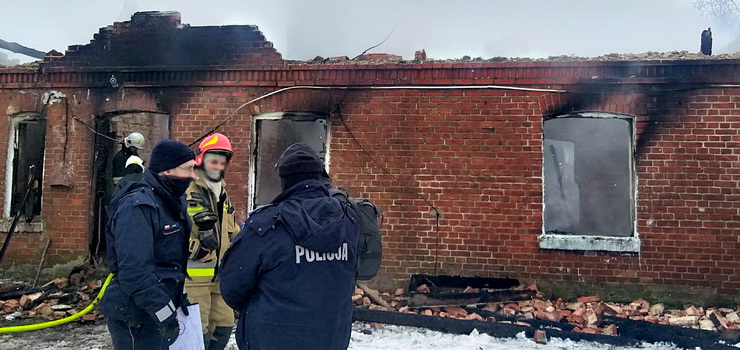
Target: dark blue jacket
(147,245)
(291,272)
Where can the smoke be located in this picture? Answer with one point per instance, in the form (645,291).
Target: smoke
(725,13)
(5,61)
(302,29)
(128,9)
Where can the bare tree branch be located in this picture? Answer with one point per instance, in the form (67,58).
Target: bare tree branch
(724,12)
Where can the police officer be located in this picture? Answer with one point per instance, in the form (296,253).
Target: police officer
(214,226)
(147,245)
(291,271)
(130,147)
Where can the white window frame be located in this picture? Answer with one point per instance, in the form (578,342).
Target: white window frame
(253,146)
(15,120)
(594,242)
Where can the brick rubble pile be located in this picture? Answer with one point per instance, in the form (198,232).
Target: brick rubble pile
(58,299)
(585,314)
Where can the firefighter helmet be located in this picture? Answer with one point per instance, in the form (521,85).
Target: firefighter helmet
(134,139)
(135,160)
(217,143)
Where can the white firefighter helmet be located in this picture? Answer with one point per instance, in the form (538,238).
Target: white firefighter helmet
(135,160)
(134,139)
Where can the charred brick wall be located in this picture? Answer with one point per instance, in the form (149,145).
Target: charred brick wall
(159,39)
(457,170)
(65,211)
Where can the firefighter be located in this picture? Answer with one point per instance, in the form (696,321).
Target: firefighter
(130,147)
(134,172)
(214,226)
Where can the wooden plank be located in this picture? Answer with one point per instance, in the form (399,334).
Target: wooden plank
(482,297)
(437,283)
(374,296)
(41,263)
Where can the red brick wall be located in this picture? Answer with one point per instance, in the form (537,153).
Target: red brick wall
(476,156)
(65,212)
(472,155)
(688,208)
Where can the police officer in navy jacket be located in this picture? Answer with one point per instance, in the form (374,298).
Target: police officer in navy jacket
(290,273)
(147,245)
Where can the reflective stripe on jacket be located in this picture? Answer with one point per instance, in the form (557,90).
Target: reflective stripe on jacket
(200,198)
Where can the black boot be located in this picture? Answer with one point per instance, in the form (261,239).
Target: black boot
(220,338)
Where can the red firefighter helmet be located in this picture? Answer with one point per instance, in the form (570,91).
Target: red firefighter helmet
(216,142)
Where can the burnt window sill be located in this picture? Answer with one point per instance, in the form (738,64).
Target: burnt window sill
(35,226)
(589,243)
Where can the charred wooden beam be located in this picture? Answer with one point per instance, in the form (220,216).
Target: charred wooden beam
(440,282)
(532,322)
(19,293)
(654,332)
(69,298)
(13,287)
(641,330)
(482,297)
(18,48)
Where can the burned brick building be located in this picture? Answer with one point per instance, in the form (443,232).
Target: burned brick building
(592,173)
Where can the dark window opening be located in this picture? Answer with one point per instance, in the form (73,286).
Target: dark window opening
(589,176)
(116,126)
(273,134)
(26,153)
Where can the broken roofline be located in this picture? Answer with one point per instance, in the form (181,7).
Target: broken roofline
(159,39)
(154,48)
(167,40)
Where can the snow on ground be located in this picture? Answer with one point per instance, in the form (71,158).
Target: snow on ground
(389,337)
(404,338)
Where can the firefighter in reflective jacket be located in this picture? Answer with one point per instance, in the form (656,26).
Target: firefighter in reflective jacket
(214,224)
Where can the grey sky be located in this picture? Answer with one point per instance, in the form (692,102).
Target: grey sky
(302,29)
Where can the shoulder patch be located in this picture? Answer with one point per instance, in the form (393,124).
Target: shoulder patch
(260,221)
(142,197)
(260,208)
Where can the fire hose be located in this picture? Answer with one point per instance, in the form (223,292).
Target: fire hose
(68,319)
(37,326)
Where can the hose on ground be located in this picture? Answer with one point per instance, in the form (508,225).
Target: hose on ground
(68,319)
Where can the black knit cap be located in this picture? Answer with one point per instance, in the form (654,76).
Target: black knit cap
(299,158)
(169,154)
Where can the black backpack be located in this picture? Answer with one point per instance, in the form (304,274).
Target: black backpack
(369,244)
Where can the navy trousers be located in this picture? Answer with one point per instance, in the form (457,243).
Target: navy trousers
(139,336)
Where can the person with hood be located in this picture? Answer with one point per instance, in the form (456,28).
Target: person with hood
(134,171)
(130,146)
(214,226)
(290,273)
(147,246)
